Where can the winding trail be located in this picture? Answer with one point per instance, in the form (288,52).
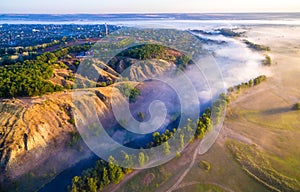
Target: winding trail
(196,152)
(127,178)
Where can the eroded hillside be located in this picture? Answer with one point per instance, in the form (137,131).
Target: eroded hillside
(33,130)
(36,133)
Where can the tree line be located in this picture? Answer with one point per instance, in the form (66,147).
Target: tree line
(256,47)
(252,82)
(152,51)
(52,56)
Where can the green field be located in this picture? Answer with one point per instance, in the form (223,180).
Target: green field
(201,188)
(255,164)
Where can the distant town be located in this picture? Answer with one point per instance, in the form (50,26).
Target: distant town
(28,35)
(19,42)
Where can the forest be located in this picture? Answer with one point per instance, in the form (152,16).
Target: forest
(26,79)
(31,77)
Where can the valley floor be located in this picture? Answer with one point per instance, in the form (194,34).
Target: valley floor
(260,124)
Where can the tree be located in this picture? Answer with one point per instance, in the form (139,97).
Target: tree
(156,138)
(92,184)
(75,180)
(189,125)
(230,89)
(183,61)
(105,177)
(112,169)
(296,106)
(166,148)
(141,116)
(181,141)
(200,131)
(141,159)
(267,61)
(115,172)
(119,174)
(250,83)
(224,97)
(128,162)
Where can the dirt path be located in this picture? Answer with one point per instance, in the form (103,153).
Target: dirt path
(127,178)
(135,172)
(180,179)
(227,133)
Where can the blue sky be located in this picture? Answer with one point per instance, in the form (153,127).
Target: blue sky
(147,6)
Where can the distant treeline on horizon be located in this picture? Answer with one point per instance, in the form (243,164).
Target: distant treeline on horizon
(152,16)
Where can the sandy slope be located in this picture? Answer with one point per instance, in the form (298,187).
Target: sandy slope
(34,133)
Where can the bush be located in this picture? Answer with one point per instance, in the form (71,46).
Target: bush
(205,165)
(141,116)
(72,121)
(75,140)
(129,91)
(296,106)
(267,61)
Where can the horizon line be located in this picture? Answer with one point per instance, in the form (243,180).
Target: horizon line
(151,13)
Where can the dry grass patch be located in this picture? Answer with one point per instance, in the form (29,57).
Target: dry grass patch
(257,166)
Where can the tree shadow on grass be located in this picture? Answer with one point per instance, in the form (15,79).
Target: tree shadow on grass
(277,111)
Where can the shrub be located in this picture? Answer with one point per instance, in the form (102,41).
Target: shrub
(267,61)
(205,165)
(129,91)
(296,106)
(72,121)
(141,116)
